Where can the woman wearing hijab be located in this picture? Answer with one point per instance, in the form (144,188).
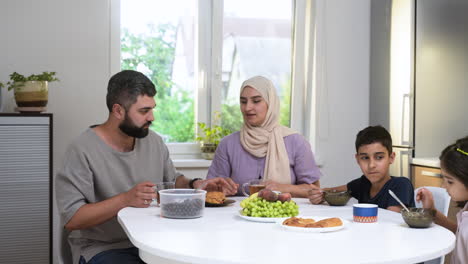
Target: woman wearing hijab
(264,149)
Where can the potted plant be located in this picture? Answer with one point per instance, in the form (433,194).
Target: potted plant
(30,91)
(209,137)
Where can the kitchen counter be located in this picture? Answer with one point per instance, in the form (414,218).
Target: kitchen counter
(427,162)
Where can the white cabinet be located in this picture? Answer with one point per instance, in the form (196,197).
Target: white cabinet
(25,188)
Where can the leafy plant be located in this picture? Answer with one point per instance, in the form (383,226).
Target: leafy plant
(213,134)
(17,80)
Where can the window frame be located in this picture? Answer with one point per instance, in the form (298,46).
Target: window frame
(209,61)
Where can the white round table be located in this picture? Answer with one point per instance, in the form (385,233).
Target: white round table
(222,236)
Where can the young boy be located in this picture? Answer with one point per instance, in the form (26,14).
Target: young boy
(374,155)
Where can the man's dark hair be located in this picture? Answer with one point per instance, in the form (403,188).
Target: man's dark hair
(125,86)
(454,160)
(374,134)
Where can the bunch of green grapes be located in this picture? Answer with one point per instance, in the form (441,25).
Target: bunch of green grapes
(259,207)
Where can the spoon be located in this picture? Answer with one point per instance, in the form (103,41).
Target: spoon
(398,200)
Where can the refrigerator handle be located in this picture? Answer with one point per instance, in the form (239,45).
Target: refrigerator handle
(402,166)
(404,163)
(405,130)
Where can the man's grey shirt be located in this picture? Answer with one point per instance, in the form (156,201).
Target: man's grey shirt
(92,172)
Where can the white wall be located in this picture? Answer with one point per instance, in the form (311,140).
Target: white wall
(343,89)
(73,38)
(69,37)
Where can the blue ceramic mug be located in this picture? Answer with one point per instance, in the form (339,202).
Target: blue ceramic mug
(365,213)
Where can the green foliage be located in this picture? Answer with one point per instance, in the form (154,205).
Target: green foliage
(213,134)
(174,117)
(232,117)
(155,53)
(285,104)
(17,79)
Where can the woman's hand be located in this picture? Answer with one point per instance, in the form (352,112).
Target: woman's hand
(274,186)
(425,196)
(220,184)
(299,190)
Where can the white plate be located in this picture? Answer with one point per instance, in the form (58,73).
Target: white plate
(314,229)
(262,219)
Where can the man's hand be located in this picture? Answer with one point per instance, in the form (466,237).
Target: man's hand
(93,214)
(141,195)
(220,184)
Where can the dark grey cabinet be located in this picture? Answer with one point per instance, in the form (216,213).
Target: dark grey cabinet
(25,188)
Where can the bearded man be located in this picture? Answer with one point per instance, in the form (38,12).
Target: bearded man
(115,165)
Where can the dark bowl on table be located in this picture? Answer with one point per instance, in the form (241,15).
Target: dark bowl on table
(418,217)
(337,198)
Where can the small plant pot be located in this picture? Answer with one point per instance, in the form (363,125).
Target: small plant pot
(31,93)
(208,150)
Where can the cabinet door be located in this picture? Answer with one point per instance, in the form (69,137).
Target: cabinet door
(25,189)
(425,176)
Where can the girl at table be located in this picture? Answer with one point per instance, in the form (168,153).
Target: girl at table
(454,167)
(264,149)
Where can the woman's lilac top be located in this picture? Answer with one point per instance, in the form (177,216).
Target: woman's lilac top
(232,160)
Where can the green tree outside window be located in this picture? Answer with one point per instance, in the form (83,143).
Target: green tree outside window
(174,112)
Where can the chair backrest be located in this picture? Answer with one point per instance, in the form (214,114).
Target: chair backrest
(441,198)
(441,203)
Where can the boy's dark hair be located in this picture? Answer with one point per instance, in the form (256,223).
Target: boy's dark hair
(374,134)
(125,86)
(454,160)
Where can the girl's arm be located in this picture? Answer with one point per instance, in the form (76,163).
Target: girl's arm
(427,199)
(442,220)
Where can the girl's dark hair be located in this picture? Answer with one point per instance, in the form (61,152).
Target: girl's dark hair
(454,159)
(374,134)
(125,86)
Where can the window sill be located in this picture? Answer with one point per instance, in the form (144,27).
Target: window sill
(203,163)
(191,163)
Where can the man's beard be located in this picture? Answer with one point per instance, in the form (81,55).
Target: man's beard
(130,129)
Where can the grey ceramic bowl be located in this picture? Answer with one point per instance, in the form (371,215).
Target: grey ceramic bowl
(337,198)
(418,217)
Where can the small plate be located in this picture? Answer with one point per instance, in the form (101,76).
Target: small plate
(226,202)
(314,229)
(262,219)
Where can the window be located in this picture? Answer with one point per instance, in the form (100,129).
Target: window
(198,52)
(256,41)
(157,38)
